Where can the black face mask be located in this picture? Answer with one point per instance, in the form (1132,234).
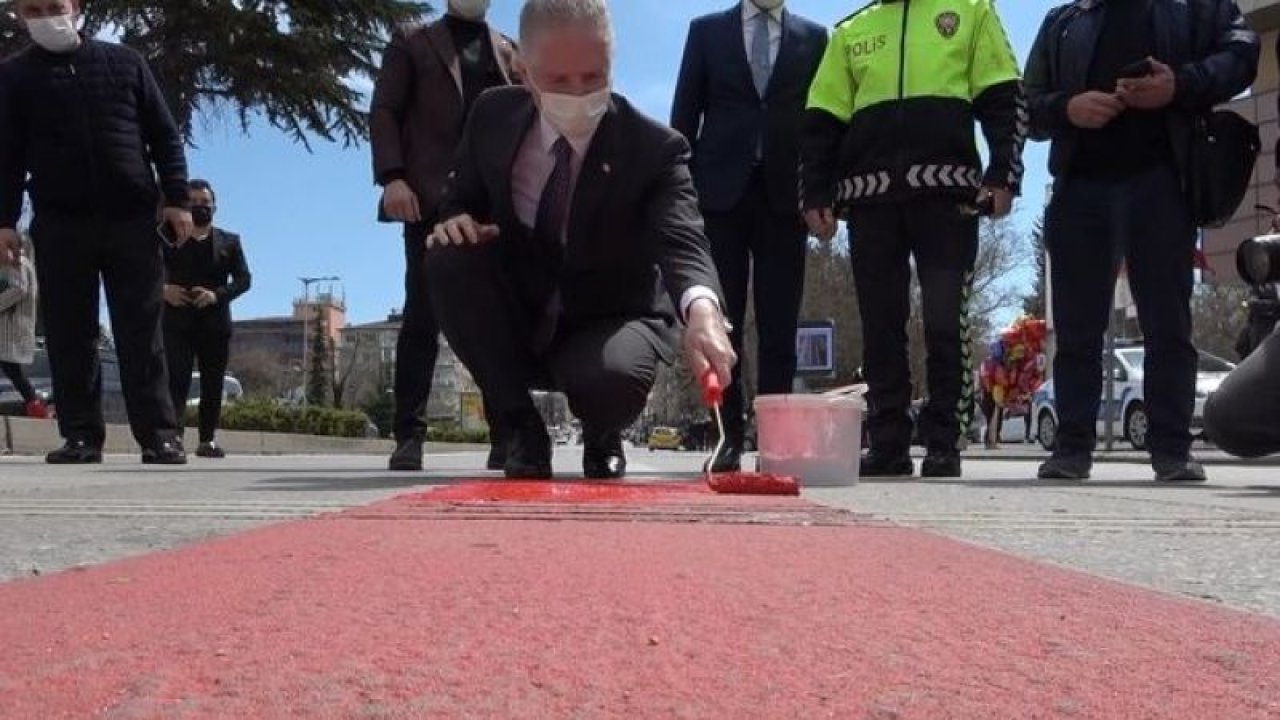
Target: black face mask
(202,215)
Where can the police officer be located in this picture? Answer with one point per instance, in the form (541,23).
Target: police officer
(888,144)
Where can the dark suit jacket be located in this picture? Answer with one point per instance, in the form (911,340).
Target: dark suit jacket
(717,107)
(634,224)
(416,116)
(230,264)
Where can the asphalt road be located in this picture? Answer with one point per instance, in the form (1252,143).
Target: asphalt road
(1217,542)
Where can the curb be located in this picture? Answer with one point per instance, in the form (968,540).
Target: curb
(23,436)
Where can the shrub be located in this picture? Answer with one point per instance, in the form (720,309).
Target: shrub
(267,416)
(449,432)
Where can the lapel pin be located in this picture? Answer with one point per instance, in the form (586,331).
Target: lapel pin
(606,168)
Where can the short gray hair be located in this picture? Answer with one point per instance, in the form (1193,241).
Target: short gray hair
(537,15)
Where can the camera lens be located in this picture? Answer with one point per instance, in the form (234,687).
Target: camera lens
(1258,260)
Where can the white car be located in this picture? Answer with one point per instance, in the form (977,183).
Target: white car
(232,390)
(1129,410)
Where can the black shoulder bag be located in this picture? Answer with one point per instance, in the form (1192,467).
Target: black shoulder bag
(1224,148)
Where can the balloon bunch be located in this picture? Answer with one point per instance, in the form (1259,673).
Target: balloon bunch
(1015,367)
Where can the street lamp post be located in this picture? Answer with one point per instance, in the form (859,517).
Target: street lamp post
(307,282)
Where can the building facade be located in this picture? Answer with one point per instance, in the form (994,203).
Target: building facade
(367,361)
(275,352)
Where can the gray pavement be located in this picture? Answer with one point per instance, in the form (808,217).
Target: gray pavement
(1219,542)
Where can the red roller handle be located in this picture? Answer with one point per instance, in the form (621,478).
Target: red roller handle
(712,391)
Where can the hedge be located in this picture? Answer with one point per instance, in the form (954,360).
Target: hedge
(267,416)
(451,433)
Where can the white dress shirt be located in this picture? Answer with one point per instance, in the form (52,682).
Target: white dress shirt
(533,167)
(749,13)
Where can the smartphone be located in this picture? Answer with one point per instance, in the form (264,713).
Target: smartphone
(1139,69)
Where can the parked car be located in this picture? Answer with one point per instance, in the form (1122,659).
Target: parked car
(1129,409)
(113,406)
(41,377)
(232,390)
(664,438)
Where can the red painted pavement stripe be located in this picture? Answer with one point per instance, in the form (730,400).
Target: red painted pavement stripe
(341,617)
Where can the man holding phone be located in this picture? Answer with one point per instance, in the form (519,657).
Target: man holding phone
(204,275)
(84,128)
(1116,85)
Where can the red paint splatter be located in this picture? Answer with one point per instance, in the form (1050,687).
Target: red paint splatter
(745,483)
(559,492)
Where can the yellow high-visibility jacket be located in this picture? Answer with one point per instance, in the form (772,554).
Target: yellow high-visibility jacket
(891,110)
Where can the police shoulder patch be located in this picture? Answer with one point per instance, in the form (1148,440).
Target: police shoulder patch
(948,24)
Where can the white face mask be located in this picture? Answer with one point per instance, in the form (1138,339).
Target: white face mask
(470,9)
(767,5)
(575,116)
(56,34)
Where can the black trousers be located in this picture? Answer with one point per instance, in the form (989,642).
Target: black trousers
(76,255)
(418,344)
(752,244)
(18,377)
(944,243)
(1092,226)
(606,368)
(1243,416)
(197,338)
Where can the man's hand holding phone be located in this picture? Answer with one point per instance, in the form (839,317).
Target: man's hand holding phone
(1146,85)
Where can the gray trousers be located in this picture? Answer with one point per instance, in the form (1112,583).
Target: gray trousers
(1243,417)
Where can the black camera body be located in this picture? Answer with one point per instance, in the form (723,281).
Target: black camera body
(1258,260)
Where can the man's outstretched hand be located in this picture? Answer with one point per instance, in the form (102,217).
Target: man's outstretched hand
(706,342)
(461,230)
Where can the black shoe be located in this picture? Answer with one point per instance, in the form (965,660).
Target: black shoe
(407,457)
(528,448)
(603,457)
(941,465)
(728,460)
(1066,467)
(886,465)
(1179,471)
(75,452)
(166,452)
(497,456)
(210,450)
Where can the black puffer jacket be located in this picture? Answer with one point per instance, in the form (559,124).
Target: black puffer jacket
(91,129)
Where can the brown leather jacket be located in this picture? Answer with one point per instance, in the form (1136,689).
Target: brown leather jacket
(416,116)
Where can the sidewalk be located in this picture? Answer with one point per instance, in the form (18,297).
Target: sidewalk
(1123,453)
(557,600)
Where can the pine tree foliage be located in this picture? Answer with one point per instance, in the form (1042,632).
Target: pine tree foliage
(305,66)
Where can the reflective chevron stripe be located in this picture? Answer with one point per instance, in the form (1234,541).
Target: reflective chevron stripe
(965,409)
(943,176)
(1022,121)
(859,187)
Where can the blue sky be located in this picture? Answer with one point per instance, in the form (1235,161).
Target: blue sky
(313,214)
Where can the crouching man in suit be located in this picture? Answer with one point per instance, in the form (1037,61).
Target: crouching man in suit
(572,243)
